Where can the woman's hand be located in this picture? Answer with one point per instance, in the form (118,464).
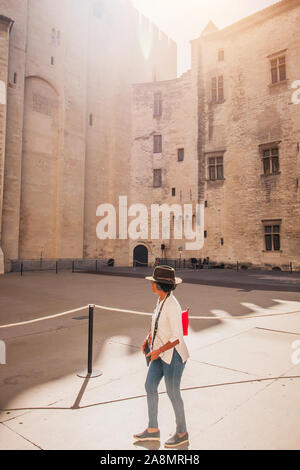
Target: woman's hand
(154,355)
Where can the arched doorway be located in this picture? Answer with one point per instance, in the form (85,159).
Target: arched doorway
(140,256)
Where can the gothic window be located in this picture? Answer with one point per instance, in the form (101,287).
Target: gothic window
(157,144)
(271,161)
(157,105)
(216,168)
(180,154)
(278,69)
(272,235)
(157,178)
(217,89)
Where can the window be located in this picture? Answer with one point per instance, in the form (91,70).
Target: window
(272,236)
(278,69)
(214,94)
(173,192)
(15,78)
(52,60)
(157,147)
(220,89)
(55,37)
(222,241)
(157,105)
(205,234)
(216,168)
(271,161)
(221,55)
(180,155)
(154,74)
(217,89)
(157,178)
(91,119)
(206,203)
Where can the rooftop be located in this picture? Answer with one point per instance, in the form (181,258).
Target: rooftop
(212,32)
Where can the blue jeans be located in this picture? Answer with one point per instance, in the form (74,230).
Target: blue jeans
(172,373)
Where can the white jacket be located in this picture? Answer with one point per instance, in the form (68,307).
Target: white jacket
(169,329)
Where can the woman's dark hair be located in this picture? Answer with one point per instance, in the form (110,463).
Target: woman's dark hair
(166,287)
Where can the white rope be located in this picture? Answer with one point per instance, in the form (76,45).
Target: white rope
(101,307)
(241,317)
(44,318)
(112,309)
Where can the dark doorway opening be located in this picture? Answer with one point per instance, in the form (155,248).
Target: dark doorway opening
(140,256)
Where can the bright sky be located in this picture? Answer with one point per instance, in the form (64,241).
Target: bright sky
(184,20)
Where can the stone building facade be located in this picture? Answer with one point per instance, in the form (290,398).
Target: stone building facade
(65,128)
(76,133)
(245,145)
(164,163)
(5,28)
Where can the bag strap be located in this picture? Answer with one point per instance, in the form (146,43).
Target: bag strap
(157,319)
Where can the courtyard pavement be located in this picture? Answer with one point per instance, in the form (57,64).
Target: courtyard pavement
(240,387)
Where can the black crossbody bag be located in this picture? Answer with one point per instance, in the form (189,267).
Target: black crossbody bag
(147,349)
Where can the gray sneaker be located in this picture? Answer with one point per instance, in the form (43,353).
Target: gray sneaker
(176,441)
(147,436)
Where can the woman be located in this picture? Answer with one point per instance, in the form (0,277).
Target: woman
(168,356)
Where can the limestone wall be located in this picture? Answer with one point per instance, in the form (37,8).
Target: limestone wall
(135,51)
(178,127)
(254,113)
(68,135)
(5,28)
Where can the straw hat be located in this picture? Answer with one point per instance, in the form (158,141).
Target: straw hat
(164,275)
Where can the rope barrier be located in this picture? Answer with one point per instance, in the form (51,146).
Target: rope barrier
(134,312)
(239,317)
(101,307)
(45,318)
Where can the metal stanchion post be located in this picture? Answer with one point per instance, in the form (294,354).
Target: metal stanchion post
(90,372)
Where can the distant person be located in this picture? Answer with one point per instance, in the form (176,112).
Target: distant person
(168,354)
